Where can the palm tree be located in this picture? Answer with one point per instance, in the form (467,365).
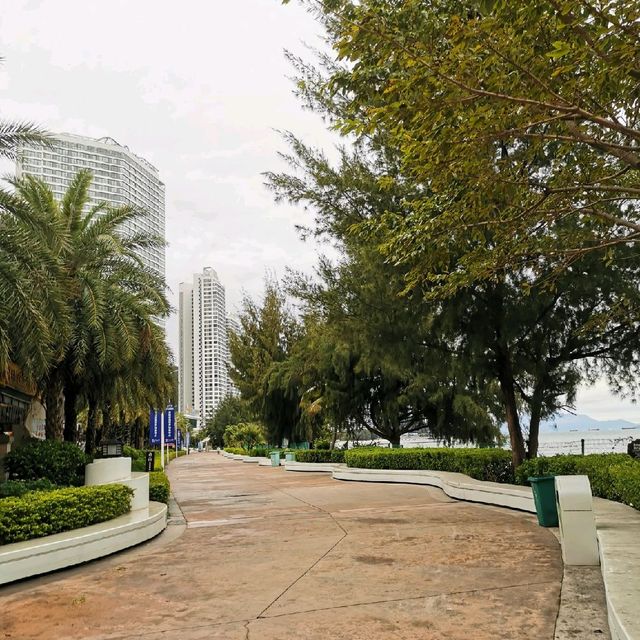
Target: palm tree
(107,290)
(130,380)
(33,314)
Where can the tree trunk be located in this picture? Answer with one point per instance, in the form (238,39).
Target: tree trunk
(70,412)
(535,409)
(504,369)
(139,433)
(122,429)
(507,387)
(106,423)
(394,439)
(92,424)
(53,398)
(334,437)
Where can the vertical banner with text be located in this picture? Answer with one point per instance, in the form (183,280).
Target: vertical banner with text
(178,439)
(170,425)
(154,426)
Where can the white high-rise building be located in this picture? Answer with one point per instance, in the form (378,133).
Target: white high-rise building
(119,178)
(203,358)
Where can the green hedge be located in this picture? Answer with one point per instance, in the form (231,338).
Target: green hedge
(16,488)
(320,455)
(493,465)
(614,476)
(60,462)
(159,487)
(43,513)
(138,458)
(237,450)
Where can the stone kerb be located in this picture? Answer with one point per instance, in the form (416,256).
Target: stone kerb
(325,467)
(266,462)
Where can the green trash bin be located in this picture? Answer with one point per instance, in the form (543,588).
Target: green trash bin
(275,458)
(290,457)
(544,496)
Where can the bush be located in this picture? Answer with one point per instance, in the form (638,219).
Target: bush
(260,452)
(60,462)
(614,476)
(172,455)
(246,435)
(17,488)
(43,513)
(159,487)
(493,465)
(319,455)
(322,443)
(236,450)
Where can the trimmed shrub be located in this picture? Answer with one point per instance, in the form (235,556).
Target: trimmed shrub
(43,513)
(322,443)
(320,455)
(493,465)
(236,450)
(17,488)
(159,487)
(60,462)
(259,452)
(614,476)
(173,455)
(625,481)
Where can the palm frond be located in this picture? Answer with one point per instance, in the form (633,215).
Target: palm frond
(15,134)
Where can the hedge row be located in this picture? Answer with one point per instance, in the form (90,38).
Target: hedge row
(60,462)
(159,487)
(493,465)
(237,451)
(17,488)
(43,513)
(320,455)
(614,476)
(138,458)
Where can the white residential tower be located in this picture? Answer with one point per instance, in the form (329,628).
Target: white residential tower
(119,178)
(204,352)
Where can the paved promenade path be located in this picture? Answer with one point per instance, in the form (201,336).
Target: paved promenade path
(272,554)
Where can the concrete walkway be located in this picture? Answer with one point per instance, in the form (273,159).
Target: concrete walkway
(270,554)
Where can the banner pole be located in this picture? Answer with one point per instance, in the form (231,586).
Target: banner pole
(162,440)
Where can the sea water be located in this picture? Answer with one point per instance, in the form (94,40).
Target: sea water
(553,443)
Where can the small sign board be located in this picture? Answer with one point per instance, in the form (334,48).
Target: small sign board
(633,449)
(150,460)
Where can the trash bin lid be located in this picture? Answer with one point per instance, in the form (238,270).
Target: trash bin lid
(574,493)
(540,478)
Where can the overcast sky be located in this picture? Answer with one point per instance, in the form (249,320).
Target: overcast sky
(199,88)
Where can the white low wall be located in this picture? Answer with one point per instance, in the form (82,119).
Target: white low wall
(455,485)
(118,471)
(42,555)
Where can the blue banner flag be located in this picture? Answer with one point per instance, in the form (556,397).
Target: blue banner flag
(188,440)
(170,425)
(178,439)
(154,426)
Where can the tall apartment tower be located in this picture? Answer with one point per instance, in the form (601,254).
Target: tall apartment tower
(119,178)
(203,357)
